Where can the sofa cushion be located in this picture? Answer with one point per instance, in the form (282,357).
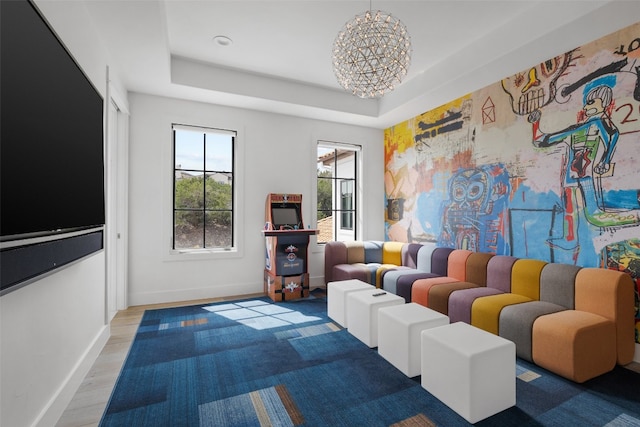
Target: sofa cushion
(577,345)
(476,268)
(516,324)
(557,284)
(391,279)
(360,271)
(460,302)
(440,261)
(610,294)
(499,272)
(405,282)
(383,270)
(485,311)
(456,272)
(373,251)
(410,254)
(439,295)
(457,264)
(392,253)
(423,265)
(421,288)
(425,254)
(355,252)
(334,253)
(498,281)
(525,278)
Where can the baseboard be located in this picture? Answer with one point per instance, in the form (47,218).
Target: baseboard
(56,406)
(317,282)
(144,298)
(220,291)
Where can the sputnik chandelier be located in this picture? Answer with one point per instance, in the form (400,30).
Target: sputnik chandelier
(371,54)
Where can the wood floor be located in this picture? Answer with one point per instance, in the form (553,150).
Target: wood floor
(91,399)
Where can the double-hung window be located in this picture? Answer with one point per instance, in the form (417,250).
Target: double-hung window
(203,196)
(337,191)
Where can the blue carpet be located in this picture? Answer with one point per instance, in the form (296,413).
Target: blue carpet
(257,363)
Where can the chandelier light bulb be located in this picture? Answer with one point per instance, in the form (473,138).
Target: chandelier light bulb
(371,54)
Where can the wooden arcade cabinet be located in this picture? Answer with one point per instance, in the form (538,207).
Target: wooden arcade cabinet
(286,239)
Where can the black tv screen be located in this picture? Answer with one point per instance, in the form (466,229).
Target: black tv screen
(51,142)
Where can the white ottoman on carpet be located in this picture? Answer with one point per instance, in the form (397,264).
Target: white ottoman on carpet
(399,329)
(470,370)
(337,298)
(362,313)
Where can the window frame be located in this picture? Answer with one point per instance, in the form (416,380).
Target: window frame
(234,208)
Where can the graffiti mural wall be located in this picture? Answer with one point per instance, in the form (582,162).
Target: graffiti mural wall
(544,164)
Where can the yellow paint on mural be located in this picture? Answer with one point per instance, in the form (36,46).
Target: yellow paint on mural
(440,113)
(401,137)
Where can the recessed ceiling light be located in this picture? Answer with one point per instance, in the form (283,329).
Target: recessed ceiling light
(223,41)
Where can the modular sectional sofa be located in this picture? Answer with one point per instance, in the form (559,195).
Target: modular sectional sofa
(576,322)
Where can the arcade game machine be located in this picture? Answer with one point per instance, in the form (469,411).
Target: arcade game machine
(285,272)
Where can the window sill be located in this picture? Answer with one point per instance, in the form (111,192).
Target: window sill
(202,254)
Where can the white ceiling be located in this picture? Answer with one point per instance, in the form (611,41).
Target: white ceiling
(280,58)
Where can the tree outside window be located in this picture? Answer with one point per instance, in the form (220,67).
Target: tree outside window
(203,188)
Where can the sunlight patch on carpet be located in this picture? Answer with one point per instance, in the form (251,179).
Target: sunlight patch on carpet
(264,322)
(526,375)
(260,315)
(307,331)
(271,309)
(271,406)
(624,420)
(221,307)
(420,420)
(297,318)
(240,313)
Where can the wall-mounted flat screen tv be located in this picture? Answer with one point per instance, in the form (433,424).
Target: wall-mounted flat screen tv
(51,151)
(51,146)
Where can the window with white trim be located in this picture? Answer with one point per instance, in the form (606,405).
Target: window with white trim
(203,196)
(337,191)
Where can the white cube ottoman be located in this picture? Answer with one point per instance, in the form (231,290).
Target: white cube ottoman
(399,328)
(470,370)
(362,313)
(337,298)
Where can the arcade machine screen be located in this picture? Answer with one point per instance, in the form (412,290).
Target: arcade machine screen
(286,218)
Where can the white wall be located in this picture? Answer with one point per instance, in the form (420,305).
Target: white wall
(47,329)
(276,153)
(52,330)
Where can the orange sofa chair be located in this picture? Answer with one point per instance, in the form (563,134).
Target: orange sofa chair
(588,341)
